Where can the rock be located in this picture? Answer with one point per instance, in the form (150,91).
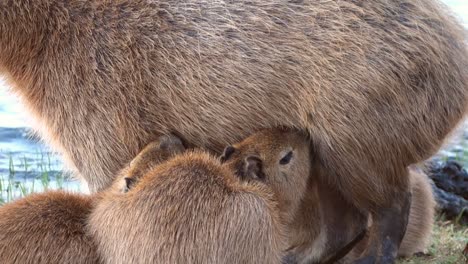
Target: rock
(450,177)
(451,205)
(450,185)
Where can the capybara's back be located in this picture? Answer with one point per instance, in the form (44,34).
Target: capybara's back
(188,210)
(47,228)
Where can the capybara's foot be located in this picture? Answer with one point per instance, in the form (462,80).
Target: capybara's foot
(387,231)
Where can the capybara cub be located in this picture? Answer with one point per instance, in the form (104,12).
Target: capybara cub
(47,228)
(158,151)
(377,84)
(193,209)
(319,224)
(325,223)
(51,228)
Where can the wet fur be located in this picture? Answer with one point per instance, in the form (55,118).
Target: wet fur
(47,228)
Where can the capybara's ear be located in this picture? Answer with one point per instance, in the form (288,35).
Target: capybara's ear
(171,142)
(228,151)
(253,168)
(129,182)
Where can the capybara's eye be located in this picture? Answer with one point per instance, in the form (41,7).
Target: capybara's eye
(287,158)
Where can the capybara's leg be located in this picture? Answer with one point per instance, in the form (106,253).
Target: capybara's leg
(387,231)
(346,225)
(343,252)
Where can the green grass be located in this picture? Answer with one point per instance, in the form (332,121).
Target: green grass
(448,242)
(37,177)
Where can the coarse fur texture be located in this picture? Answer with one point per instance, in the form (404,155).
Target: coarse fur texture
(278,158)
(189,209)
(378,84)
(160,150)
(422,213)
(47,228)
(319,221)
(322,222)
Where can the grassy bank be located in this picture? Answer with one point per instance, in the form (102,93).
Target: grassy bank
(448,242)
(25,175)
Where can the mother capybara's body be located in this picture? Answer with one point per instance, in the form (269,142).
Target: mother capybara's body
(377,84)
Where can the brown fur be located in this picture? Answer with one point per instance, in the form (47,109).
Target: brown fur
(51,227)
(323,222)
(318,223)
(47,228)
(153,154)
(189,209)
(378,84)
(327,222)
(288,181)
(421,218)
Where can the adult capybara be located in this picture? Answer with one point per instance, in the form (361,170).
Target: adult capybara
(47,228)
(190,209)
(321,224)
(377,84)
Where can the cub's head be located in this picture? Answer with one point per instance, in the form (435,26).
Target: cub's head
(156,152)
(277,157)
